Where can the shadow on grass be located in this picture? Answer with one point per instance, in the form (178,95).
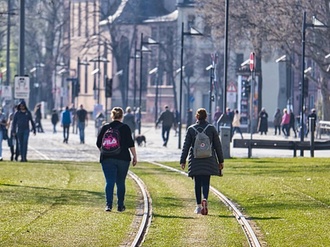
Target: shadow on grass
(172,216)
(42,195)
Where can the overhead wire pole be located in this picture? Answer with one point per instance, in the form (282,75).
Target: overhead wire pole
(21,37)
(302,127)
(225,69)
(181,78)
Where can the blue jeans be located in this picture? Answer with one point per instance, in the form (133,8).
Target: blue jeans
(115,172)
(66,132)
(166,134)
(81,127)
(23,137)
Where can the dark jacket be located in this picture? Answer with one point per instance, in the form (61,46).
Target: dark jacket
(129,119)
(204,166)
(126,141)
(167,118)
(21,122)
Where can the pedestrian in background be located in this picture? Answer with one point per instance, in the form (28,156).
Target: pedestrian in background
(21,128)
(167,119)
(292,124)
(263,122)
(129,119)
(277,121)
(99,121)
(237,123)
(65,123)
(311,115)
(216,115)
(285,122)
(115,167)
(54,120)
(38,117)
(82,121)
(12,139)
(201,169)
(3,130)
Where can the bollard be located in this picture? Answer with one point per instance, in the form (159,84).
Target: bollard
(225,133)
(312,130)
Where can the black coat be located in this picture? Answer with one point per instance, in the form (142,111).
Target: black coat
(203,166)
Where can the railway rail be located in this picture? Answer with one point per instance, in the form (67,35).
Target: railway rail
(142,221)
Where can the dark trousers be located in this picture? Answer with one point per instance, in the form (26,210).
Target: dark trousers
(165,134)
(277,128)
(66,128)
(202,183)
(23,137)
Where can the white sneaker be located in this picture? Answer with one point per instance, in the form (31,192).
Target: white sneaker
(198,210)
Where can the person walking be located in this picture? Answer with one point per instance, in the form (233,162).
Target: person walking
(21,128)
(285,122)
(216,115)
(54,120)
(201,169)
(263,122)
(129,119)
(65,123)
(12,140)
(82,117)
(277,121)
(115,167)
(167,119)
(314,116)
(292,124)
(3,131)
(237,123)
(38,117)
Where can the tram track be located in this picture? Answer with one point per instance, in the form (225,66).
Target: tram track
(142,219)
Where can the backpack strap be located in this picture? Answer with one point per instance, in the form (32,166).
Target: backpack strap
(206,127)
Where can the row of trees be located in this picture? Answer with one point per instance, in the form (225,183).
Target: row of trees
(274,27)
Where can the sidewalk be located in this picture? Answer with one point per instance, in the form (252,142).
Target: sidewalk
(50,146)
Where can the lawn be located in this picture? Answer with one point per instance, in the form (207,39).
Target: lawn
(45,203)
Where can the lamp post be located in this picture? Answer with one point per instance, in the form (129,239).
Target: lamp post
(192,32)
(211,69)
(99,59)
(136,56)
(86,64)
(151,72)
(318,24)
(143,49)
(35,70)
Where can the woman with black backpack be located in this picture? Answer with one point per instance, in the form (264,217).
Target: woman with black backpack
(116,146)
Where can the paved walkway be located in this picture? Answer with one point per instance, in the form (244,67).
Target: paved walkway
(50,146)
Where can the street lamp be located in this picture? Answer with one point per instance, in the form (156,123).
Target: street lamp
(143,49)
(151,72)
(192,32)
(37,85)
(86,64)
(211,69)
(105,61)
(289,82)
(315,24)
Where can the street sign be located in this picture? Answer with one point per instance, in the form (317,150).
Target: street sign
(22,87)
(6,92)
(252,63)
(231,88)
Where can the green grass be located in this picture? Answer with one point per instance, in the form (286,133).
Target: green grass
(59,204)
(289,199)
(45,203)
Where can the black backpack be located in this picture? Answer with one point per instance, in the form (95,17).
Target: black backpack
(111,141)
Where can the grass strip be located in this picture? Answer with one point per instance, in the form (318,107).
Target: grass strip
(59,204)
(287,198)
(174,222)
